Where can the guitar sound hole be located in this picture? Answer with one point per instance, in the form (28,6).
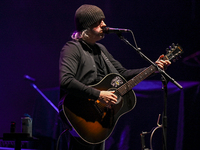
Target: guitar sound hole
(119,98)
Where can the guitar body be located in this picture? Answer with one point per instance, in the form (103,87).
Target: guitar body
(94,121)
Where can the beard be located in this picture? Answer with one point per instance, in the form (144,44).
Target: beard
(98,34)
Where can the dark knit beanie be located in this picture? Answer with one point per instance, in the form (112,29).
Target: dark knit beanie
(86,15)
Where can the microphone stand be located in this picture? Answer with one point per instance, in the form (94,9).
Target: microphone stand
(164,119)
(40,92)
(165,80)
(151,62)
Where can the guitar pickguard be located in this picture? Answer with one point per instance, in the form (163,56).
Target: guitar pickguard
(117,81)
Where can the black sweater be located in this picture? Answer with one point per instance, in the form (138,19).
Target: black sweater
(78,69)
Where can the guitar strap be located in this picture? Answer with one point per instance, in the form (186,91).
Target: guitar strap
(107,61)
(109,64)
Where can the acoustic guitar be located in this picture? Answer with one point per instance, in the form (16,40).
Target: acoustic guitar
(94,121)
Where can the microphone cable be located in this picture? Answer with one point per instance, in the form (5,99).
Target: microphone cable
(57,144)
(134,40)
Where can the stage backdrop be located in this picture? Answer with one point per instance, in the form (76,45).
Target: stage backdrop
(182,130)
(32,33)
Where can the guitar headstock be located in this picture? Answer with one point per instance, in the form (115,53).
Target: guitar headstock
(173,52)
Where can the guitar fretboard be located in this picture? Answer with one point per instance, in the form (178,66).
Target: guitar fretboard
(136,80)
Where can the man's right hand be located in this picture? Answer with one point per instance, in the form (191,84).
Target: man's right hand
(108,97)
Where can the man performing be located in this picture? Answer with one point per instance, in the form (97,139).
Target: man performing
(86,70)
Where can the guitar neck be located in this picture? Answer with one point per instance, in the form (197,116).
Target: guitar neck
(136,80)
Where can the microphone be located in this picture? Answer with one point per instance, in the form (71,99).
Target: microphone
(29,78)
(108,30)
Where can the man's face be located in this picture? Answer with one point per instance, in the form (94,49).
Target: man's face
(97,30)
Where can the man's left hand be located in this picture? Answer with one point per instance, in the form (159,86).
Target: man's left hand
(163,64)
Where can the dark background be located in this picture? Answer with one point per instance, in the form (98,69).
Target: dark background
(32,33)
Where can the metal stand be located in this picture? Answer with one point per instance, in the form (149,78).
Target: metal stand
(165,79)
(40,92)
(18,137)
(164,119)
